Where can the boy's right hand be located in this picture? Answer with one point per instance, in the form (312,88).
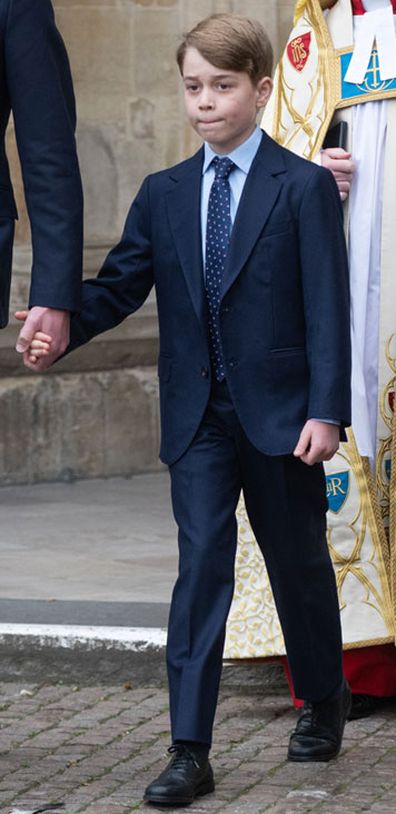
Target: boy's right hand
(39,348)
(318,442)
(340,163)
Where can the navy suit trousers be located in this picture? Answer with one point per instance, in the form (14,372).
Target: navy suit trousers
(286,504)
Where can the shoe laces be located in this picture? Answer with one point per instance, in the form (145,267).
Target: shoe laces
(308,715)
(181,756)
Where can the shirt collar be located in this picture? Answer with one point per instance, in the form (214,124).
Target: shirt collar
(242,156)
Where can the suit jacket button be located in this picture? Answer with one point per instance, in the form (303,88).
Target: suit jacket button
(232,363)
(204,372)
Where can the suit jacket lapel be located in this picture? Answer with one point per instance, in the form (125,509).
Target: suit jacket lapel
(184,212)
(258,198)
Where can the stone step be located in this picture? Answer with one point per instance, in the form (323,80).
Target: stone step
(101,423)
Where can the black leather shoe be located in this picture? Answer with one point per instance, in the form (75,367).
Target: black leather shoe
(320,727)
(182,780)
(363,706)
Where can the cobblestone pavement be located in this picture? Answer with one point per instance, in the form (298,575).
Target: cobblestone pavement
(96,748)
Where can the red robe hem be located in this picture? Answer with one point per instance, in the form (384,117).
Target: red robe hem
(368,670)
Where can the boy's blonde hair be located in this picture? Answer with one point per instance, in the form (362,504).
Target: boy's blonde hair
(231,42)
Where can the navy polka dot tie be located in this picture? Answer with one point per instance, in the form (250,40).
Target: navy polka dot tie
(217,239)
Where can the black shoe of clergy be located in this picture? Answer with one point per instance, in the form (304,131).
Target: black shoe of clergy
(320,727)
(182,780)
(363,706)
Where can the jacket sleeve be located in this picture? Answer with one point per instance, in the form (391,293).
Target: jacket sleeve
(42,100)
(325,279)
(124,281)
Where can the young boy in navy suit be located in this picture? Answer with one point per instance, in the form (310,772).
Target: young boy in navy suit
(244,244)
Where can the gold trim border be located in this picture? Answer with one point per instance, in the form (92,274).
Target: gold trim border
(365,481)
(392,519)
(345,647)
(329,65)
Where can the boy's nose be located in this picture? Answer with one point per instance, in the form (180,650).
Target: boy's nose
(206,100)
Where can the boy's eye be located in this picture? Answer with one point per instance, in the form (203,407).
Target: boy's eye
(192,88)
(224,85)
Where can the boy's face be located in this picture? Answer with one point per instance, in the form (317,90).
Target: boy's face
(221,105)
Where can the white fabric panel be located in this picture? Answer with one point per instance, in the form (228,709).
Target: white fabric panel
(368,151)
(379,26)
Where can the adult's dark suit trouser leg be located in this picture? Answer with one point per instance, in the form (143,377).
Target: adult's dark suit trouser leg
(286,504)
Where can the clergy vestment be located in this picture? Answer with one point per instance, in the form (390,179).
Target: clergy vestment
(340,64)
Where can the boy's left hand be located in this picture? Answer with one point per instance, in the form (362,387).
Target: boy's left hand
(318,442)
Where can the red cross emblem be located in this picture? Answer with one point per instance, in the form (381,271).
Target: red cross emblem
(298,51)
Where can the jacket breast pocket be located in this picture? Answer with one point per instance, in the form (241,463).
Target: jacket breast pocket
(277,250)
(277,228)
(296,350)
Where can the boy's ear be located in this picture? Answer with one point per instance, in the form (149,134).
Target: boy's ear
(264,90)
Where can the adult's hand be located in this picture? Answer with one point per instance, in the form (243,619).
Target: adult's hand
(318,442)
(51,321)
(341,165)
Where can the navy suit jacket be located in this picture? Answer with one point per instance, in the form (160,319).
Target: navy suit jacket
(284,309)
(35,83)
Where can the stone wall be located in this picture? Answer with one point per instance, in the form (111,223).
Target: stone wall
(131,122)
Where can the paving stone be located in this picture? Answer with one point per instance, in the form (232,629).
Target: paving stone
(98,754)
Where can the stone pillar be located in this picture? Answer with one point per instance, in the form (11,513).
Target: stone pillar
(131,123)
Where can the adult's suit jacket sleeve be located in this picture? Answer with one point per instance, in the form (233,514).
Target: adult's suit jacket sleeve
(41,95)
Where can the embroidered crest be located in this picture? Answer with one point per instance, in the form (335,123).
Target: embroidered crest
(372,84)
(337,490)
(298,51)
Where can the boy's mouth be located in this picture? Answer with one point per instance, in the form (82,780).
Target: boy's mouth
(209,121)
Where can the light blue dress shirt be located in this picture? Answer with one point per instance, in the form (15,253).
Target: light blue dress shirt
(242,157)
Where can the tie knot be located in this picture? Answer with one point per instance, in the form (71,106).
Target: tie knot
(222,167)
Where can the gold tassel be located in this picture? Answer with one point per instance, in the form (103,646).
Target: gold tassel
(300,6)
